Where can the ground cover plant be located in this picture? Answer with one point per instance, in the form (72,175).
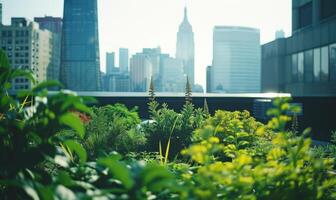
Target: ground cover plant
(56,147)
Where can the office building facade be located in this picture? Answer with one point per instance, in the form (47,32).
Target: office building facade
(54,25)
(29,48)
(110,63)
(173,78)
(140,72)
(123,60)
(185,48)
(80,67)
(305,63)
(236,60)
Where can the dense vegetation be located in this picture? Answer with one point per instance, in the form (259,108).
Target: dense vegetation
(55,147)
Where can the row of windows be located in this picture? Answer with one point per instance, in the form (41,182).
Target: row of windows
(21,80)
(17,48)
(18,33)
(315,65)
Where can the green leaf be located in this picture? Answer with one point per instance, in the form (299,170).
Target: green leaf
(4,62)
(156,177)
(118,170)
(74,122)
(78,149)
(46,85)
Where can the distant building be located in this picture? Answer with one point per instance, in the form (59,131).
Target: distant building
(123,60)
(305,63)
(30,48)
(140,72)
(208,79)
(110,63)
(80,67)
(54,25)
(173,78)
(185,48)
(279,34)
(236,60)
(118,82)
(0,13)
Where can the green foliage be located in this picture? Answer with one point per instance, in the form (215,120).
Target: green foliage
(166,127)
(112,128)
(188,92)
(287,170)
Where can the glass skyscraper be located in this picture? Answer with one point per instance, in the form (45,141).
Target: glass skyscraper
(80,70)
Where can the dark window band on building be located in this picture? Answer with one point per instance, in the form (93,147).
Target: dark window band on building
(328,8)
(306,15)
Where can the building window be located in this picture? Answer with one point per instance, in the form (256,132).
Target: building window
(325,64)
(317,65)
(294,67)
(328,8)
(300,66)
(333,62)
(308,66)
(306,15)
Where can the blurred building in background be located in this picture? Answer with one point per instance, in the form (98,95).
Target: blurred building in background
(305,63)
(236,60)
(29,48)
(123,59)
(54,25)
(140,72)
(185,48)
(110,63)
(0,13)
(80,67)
(173,78)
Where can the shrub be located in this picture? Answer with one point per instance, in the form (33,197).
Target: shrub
(168,124)
(112,128)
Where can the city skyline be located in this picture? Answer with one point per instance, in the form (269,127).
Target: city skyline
(158,26)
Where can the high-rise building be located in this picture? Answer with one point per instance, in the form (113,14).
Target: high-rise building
(110,63)
(140,72)
(54,25)
(118,82)
(236,60)
(0,13)
(305,63)
(173,78)
(185,48)
(123,60)
(80,70)
(30,48)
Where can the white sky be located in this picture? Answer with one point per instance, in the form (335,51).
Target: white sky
(136,24)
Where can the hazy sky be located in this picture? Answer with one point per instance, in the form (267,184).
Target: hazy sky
(150,23)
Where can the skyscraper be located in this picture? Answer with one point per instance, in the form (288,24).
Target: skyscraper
(185,48)
(110,64)
(80,70)
(140,72)
(54,25)
(0,13)
(236,60)
(123,59)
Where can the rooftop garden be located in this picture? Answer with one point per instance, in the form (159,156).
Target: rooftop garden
(56,147)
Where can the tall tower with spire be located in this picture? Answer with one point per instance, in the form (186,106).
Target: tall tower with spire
(185,47)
